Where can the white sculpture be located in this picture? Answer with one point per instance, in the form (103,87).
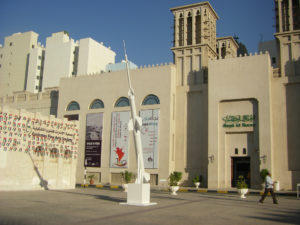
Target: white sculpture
(139,192)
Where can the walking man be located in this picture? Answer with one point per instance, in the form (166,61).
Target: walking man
(268,188)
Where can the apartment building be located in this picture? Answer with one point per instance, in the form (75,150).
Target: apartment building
(26,65)
(14,61)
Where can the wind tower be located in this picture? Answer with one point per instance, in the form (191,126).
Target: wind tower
(194,45)
(194,41)
(288,34)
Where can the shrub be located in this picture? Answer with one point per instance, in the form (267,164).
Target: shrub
(241,183)
(197,179)
(174,178)
(126,176)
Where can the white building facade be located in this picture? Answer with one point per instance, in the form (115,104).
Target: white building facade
(14,58)
(26,65)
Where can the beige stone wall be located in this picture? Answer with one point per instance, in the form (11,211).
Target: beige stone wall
(286,125)
(238,81)
(109,87)
(36,152)
(43,102)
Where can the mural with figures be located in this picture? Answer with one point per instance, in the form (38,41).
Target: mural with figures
(32,141)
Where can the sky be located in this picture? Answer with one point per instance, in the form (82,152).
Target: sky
(145,25)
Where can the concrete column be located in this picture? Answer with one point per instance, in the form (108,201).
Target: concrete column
(194,13)
(184,29)
(279,15)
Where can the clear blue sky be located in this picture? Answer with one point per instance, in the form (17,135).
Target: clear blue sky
(145,25)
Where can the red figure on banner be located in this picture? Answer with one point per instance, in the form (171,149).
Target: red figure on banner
(120,154)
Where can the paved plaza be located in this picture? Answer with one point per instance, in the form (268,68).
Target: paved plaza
(100,206)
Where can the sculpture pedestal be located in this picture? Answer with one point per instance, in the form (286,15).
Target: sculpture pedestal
(138,195)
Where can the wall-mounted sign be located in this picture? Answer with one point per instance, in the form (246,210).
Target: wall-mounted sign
(231,121)
(93,139)
(150,137)
(119,140)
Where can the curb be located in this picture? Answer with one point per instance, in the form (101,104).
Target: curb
(185,190)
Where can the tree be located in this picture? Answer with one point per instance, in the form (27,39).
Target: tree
(242,49)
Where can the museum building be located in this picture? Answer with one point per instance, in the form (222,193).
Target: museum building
(209,113)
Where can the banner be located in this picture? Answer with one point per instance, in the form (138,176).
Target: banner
(93,139)
(149,135)
(119,140)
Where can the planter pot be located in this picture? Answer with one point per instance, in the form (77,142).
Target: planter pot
(174,189)
(242,192)
(92,181)
(125,187)
(197,184)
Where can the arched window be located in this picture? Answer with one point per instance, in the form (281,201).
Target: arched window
(97,104)
(122,102)
(73,106)
(151,100)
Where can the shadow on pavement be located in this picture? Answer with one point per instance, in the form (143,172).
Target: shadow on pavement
(291,217)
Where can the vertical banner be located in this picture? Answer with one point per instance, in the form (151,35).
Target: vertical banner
(119,140)
(93,139)
(149,135)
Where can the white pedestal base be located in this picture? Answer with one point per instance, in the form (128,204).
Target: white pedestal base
(138,195)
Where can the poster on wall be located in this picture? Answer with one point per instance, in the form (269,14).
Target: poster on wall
(93,139)
(149,135)
(119,140)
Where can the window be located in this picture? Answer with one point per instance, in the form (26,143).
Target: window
(38,77)
(151,100)
(181,30)
(223,51)
(10,44)
(244,151)
(189,29)
(36,87)
(40,57)
(73,106)
(39,67)
(296,14)
(122,102)
(236,151)
(273,60)
(198,28)
(72,117)
(32,46)
(97,104)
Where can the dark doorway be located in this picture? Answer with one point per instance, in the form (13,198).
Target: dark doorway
(240,166)
(72,117)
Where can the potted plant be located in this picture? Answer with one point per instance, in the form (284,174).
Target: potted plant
(126,178)
(91,177)
(174,179)
(242,186)
(197,181)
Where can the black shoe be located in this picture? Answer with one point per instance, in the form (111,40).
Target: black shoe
(260,201)
(275,202)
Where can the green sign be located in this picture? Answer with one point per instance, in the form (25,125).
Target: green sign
(231,121)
